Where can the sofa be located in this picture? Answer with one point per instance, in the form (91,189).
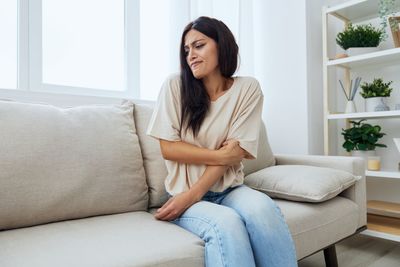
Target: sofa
(79,186)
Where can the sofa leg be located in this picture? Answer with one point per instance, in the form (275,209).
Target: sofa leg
(330,256)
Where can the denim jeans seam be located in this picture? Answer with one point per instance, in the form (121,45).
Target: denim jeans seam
(293,248)
(212,226)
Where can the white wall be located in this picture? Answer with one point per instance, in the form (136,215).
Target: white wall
(293,109)
(285,81)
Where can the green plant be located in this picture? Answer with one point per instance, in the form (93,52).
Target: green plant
(362,136)
(376,89)
(359,36)
(387,8)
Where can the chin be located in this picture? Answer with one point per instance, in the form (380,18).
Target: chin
(198,76)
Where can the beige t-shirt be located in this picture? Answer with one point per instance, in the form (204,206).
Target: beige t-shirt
(234,115)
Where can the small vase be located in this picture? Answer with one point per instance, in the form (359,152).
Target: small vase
(364,154)
(350,107)
(373,104)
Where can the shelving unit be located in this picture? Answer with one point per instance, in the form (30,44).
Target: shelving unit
(381,58)
(365,115)
(383,217)
(383,174)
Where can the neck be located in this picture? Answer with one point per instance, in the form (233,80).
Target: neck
(215,85)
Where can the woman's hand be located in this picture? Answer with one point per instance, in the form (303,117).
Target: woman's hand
(232,153)
(175,206)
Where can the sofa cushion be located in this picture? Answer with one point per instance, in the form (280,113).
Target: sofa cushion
(317,225)
(58,164)
(130,239)
(300,182)
(154,163)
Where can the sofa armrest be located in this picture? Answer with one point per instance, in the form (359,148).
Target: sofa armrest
(354,165)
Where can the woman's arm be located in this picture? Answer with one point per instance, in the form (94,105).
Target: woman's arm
(230,154)
(176,205)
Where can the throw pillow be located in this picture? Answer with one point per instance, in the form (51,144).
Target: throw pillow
(300,182)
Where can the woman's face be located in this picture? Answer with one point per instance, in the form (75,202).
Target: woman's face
(201,54)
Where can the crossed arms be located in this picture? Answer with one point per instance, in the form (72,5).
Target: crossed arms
(217,161)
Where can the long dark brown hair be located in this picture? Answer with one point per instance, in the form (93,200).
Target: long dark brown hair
(194,98)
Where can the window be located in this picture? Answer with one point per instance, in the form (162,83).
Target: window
(155,47)
(117,48)
(83,43)
(8,44)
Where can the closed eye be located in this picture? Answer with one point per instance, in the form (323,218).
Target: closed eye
(199,46)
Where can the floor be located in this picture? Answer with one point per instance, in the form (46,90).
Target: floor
(360,251)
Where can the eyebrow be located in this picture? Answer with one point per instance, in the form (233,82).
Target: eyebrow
(186,46)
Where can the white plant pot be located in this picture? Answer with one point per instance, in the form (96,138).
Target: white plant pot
(364,155)
(373,104)
(354,51)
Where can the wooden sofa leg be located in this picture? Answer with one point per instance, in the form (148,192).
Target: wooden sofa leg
(330,256)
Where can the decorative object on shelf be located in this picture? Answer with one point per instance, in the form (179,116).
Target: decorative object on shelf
(387,9)
(376,94)
(361,139)
(374,163)
(350,106)
(362,136)
(395,29)
(364,154)
(341,55)
(397,143)
(360,39)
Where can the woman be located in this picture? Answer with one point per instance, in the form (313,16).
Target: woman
(206,122)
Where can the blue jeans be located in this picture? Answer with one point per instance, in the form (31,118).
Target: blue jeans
(240,227)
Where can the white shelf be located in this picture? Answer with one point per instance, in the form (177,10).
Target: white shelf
(366,115)
(357,10)
(383,174)
(385,57)
(381,235)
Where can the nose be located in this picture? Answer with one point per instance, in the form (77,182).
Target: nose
(191,55)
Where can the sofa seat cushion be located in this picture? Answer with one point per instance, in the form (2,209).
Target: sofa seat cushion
(317,225)
(301,182)
(127,239)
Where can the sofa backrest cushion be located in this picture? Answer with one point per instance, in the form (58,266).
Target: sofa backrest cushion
(66,163)
(265,157)
(154,164)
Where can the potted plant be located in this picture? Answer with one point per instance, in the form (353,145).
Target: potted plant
(362,138)
(376,94)
(387,13)
(360,39)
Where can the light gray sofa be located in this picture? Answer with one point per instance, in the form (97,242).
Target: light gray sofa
(78,187)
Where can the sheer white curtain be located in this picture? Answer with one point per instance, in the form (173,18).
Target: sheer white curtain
(162,23)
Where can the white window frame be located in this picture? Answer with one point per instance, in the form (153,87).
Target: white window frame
(30,54)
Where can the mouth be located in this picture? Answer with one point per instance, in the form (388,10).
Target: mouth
(195,64)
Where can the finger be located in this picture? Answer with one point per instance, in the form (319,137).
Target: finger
(166,204)
(163,214)
(174,214)
(171,216)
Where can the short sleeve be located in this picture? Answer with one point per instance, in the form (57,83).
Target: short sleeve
(165,120)
(246,125)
